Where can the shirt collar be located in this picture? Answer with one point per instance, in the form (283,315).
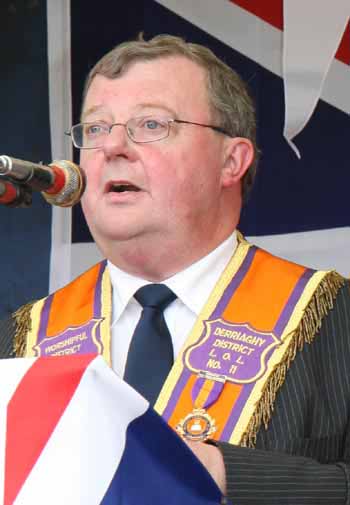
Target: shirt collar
(192,285)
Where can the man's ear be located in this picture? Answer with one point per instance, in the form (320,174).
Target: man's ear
(238,156)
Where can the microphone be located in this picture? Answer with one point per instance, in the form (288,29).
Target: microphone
(14,195)
(61,183)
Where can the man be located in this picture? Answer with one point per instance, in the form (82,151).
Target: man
(167,139)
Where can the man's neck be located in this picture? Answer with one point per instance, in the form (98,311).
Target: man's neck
(156,264)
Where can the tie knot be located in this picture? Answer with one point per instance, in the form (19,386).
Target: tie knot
(157,296)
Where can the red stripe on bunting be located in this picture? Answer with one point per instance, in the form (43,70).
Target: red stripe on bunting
(343,53)
(34,411)
(272,12)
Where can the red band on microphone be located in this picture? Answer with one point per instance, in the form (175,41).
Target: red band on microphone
(59,181)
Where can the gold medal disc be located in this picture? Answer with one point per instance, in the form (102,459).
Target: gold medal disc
(197,426)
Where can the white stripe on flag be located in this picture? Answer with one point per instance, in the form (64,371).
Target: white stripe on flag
(10,377)
(77,465)
(59,62)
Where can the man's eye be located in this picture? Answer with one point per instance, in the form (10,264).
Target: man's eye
(94,130)
(151,124)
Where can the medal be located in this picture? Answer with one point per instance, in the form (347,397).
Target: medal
(197,426)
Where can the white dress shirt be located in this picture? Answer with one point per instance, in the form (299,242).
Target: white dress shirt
(192,287)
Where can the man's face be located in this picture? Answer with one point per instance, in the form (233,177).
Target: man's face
(175,183)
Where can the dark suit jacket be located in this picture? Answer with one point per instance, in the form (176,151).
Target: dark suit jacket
(303,457)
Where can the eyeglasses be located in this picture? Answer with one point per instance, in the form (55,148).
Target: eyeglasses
(139,129)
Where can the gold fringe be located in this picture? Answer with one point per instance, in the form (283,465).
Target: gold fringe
(23,326)
(318,307)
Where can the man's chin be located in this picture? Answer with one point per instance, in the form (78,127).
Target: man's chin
(118,234)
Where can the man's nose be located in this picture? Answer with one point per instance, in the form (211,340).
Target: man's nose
(117,141)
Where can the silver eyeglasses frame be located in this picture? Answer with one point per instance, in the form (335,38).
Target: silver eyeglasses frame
(76,132)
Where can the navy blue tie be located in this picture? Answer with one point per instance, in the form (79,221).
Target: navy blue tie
(150,355)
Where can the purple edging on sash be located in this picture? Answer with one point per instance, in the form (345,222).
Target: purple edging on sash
(97,311)
(44,318)
(235,282)
(290,306)
(97,295)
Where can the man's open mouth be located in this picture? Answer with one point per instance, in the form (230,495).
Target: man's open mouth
(122,188)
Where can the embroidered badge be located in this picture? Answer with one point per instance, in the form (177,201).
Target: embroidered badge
(236,351)
(82,339)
